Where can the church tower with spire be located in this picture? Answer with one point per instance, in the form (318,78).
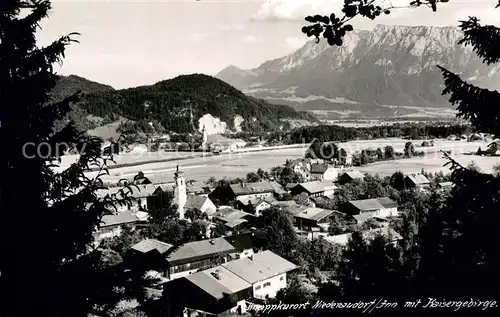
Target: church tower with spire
(180,194)
(205,137)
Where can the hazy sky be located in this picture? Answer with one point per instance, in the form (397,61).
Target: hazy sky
(128,43)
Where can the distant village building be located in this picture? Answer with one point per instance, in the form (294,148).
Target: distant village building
(383,207)
(313,218)
(248,191)
(139,193)
(350,176)
(201,203)
(445,185)
(390,234)
(256,205)
(315,188)
(493,148)
(235,220)
(112,225)
(323,171)
(417,181)
(216,142)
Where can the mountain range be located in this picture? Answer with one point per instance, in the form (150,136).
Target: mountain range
(389,71)
(175,105)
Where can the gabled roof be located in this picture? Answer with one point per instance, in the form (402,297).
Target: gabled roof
(148,245)
(445,184)
(260,266)
(218,281)
(120,218)
(418,179)
(241,241)
(386,232)
(387,202)
(314,214)
(291,185)
(196,187)
(197,250)
(319,168)
(193,201)
(135,191)
(252,188)
(354,175)
(367,204)
(256,201)
(230,214)
(278,189)
(317,186)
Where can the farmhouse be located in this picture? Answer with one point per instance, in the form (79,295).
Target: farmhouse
(243,243)
(257,205)
(139,193)
(416,181)
(445,185)
(213,292)
(201,203)
(315,188)
(188,258)
(112,225)
(386,232)
(350,176)
(323,171)
(246,191)
(235,220)
(265,271)
(380,207)
(310,218)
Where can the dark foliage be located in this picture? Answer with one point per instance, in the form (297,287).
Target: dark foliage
(328,133)
(450,248)
(59,212)
(172,101)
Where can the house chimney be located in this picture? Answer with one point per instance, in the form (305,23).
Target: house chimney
(216,274)
(212,242)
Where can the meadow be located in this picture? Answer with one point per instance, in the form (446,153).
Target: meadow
(239,164)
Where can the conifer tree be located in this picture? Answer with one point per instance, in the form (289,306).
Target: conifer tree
(47,217)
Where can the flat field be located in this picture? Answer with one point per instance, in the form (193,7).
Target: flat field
(239,164)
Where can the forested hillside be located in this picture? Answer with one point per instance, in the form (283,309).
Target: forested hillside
(171,103)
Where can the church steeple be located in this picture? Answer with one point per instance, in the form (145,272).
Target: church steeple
(180,192)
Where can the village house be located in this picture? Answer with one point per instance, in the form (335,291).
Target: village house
(323,171)
(243,243)
(138,193)
(224,289)
(246,191)
(350,176)
(112,225)
(198,188)
(235,220)
(187,259)
(212,292)
(265,271)
(493,148)
(342,239)
(311,219)
(315,189)
(257,205)
(417,181)
(201,203)
(383,207)
(444,185)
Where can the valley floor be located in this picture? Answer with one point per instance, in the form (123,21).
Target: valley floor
(239,164)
